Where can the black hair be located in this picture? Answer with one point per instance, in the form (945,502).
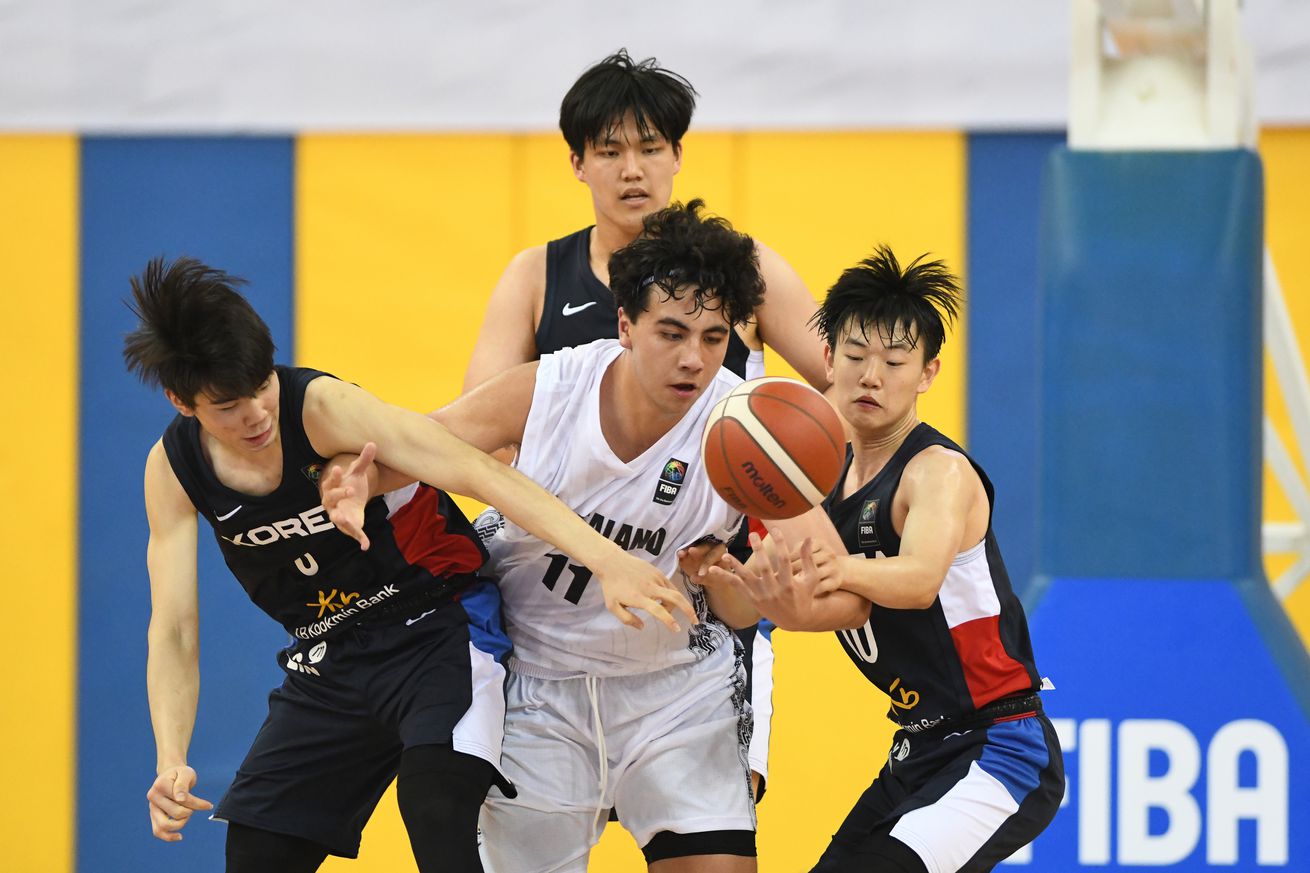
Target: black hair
(658,99)
(680,249)
(196,333)
(913,305)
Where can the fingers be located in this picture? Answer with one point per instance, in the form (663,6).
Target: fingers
(171,803)
(183,782)
(621,612)
(366,456)
(659,613)
(675,598)
(695,560)
(331,481)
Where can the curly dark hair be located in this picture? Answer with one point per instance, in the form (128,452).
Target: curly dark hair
(196,333)
(681,251)
(598,101)
(913,305)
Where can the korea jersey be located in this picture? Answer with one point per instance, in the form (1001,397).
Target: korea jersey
(969,648)
(288,555)
(650,506)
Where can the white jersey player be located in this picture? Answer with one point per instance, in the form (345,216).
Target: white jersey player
(650,720)
(651,505)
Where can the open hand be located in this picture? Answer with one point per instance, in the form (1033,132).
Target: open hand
(345,495)
(696,559)
(631,583)
(784,595)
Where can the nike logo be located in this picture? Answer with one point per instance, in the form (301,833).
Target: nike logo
(410,621)
(230,514)
(570,309)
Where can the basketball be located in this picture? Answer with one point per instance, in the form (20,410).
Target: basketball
(773,448)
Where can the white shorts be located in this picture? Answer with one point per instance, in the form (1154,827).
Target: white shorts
(674,745)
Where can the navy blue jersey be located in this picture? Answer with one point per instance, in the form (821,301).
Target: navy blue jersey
(580,309)
(293,562)
(966,650)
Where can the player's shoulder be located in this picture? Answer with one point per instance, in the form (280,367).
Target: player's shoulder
(527,267)
(572,364)
(935,464)
(162,485)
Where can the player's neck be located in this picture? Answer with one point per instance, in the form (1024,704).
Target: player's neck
(606,239)
(870,452)
(248,472)
(629,421)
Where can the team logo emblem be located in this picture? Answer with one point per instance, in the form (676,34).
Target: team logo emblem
(868,531)
(316,654)
(312,472)
(671,479)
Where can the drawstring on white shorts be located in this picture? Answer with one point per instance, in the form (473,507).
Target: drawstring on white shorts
(601,753)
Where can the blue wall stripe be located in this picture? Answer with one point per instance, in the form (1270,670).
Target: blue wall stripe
(1005,172)
(229,203)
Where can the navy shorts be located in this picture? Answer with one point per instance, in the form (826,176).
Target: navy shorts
(349,706)
(954,801)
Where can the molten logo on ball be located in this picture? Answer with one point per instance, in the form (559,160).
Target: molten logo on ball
(761,485)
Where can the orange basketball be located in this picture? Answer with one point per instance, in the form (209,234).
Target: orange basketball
(773,448)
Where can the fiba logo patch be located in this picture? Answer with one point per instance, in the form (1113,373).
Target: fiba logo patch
(868,531)
(312,472)
(671,479)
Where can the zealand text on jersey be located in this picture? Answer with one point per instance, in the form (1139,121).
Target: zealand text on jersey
(626,536)
(307,523)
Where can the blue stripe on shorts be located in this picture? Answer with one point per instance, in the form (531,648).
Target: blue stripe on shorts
(1016,754)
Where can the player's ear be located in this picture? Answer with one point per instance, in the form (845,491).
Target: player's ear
(575,161)
(930,371)
(178,404)
(677,157)
(625,329)
(827,363)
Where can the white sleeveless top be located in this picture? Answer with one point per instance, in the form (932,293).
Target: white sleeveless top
(651,506)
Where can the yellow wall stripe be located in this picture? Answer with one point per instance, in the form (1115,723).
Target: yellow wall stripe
(1286,155)
(38,283)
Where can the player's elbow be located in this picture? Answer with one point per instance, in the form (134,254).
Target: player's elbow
(175,634)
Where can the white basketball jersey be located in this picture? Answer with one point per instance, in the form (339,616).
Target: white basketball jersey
(651,506)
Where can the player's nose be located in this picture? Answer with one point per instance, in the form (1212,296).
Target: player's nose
(631,165)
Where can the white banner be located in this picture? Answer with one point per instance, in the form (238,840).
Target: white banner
(210,66)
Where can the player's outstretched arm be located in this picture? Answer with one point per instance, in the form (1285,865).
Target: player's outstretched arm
(695,561)
(783,321)
(173,662)
(791,600)
(508,333)
(944,499)
(340,417)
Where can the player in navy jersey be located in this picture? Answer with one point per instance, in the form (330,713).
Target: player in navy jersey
(902,562)
(394,665)
(624,122)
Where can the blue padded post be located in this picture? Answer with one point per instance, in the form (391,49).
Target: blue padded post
(1150,386)
(1182,693)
